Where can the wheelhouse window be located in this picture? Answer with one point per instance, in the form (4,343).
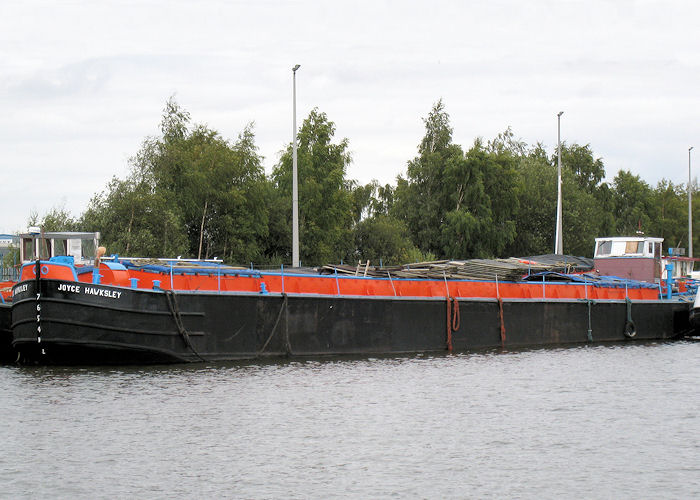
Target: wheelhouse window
(60,247)
(27,248)
(604,248)
(44,248)
(634,247)
(88,249)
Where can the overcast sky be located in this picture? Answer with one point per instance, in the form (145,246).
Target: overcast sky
(82,83)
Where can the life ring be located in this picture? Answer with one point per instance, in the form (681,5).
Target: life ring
(44,270)
(630,329)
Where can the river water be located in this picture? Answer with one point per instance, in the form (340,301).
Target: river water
(616,421)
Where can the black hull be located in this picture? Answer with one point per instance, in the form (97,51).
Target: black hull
(7,353)
(113,325)
(695,319)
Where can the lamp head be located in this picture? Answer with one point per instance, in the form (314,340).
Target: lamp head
(295,68)
(560,113)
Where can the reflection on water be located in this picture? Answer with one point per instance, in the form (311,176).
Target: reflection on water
(607,421)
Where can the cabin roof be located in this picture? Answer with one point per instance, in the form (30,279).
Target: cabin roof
(631,238)
(62,235)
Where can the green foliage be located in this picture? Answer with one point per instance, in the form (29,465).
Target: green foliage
(133,219)
(362,200)
(327,208)
(421,199)
(56,219)
(537,197)
(459,205)
(506,143)
(588,171)
(583,214)
(191,192)
(383,239)
(670,210)
(632,203)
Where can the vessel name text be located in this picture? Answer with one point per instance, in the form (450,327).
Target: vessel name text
(88,290)
(19,289)
(112,294)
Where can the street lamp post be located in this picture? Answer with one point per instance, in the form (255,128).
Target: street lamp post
(295,187)
(690,210)
(558,237)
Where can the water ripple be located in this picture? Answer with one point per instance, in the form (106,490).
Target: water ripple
(600,421)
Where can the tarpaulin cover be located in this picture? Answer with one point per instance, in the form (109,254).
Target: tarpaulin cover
(591,279)
(181,268)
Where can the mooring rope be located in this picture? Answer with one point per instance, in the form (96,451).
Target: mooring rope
(449,324)
(453,319)
(503,324)
(175,311)
(455,314)
(288,344)
(274,328)
(590,327)
(630,329)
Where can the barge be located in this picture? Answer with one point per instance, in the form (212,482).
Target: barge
(134,311)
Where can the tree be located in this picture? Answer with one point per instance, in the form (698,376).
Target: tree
(325,196)
(189,192)
(371,199)
(192,192)
(363,197)
(459,205)
(588,171)
(56,219)
(537,197)
(133,219)
(632,199)
(483,202)
(506,143)
(585,204)
(669,215)
(422,198)
(384,240)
